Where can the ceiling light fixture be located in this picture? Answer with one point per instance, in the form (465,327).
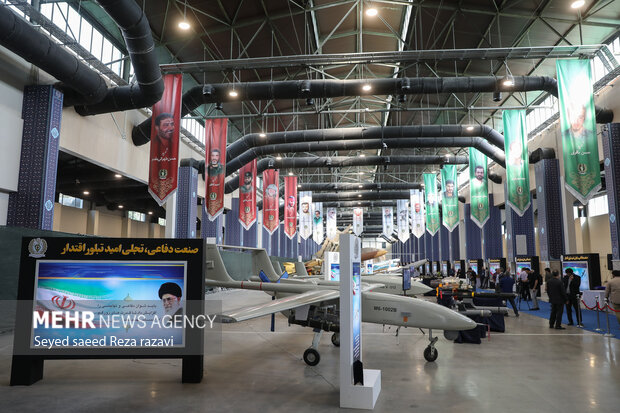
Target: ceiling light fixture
(150,212)
(233,93)
(470,128)
(279,158)
(290,174)
(262,135)
(120,207)
(362,155)
(366,87)
(371,12)
(359,195)
(86,193)
(184,24)
(118,175)
(577,4)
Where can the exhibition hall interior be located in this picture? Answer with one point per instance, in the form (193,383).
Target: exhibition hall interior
(310,205)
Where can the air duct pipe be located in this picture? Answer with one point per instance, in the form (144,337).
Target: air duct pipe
(542,153)
(341,161)
(322,187)
(83,87)
(479,143)
(325,88)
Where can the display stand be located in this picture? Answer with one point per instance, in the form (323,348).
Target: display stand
(359,387)
(331,266)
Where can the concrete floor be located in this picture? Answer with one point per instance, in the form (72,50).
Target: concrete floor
(530,368)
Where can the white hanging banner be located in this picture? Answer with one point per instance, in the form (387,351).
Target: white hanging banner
(317,222)
(403,219)
(305,214)
(332,228)
(417,212)
(358,221)
(388,221)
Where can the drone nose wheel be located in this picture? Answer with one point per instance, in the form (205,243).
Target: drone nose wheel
(430,354)
(312,357)
(336,339)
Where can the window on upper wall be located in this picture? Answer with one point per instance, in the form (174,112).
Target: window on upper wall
(598,206)
(136,216)
(70,201)
(161,221)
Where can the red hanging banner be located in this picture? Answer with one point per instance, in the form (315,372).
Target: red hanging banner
(215,145)
(164,154)
(271,200)
(290,206)
(247,195)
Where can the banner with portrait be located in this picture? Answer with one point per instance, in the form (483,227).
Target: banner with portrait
(290,206)
(318,233)
(578,124)
(164,150)
(305,214)
(402,206)
(247,195)
(331,224)
(271,200)
(416,199)
(388,221)
(432,204)
(517,161)
(358,221)
(449,197)
(215,165)
(478,187)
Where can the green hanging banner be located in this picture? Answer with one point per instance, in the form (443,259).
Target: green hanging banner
(478,187)
(517,162)
(449,197)
(578,123)
(432,206)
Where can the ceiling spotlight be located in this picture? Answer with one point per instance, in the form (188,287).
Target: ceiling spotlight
(360,173)
(118,175)
(150,212)
(366,87)
(290,174)
(362,155)
(497,96)
(470,128)
(86,193)
(359,203)
(359,195)
(509,81)
(184,25)
(371,12)
(360,186)
(233,93)
(577,4)
(279,158)
(298,185)
(120,207)
(262,135)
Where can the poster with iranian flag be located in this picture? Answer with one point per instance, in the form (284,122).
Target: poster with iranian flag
(215,169)
(271,200)
(358,221)
(247,195)
(164,150)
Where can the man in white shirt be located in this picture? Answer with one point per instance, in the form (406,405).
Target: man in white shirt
(524,284)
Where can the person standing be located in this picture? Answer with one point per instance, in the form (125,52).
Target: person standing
(524,284)
(533,283)
(572,282)
(547,276)
(557,299)
(612,293)
(506,284)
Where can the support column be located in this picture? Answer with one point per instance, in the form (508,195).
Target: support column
(211,229)
(549,202)
(454,245)
(518,229)
(233,227)
(473,244)
(492,232)
(186,200)
(32,206)
(611,153)
(444,250)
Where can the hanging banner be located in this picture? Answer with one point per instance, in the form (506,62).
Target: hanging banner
(478,187)
(164,150)
(247,195)
(577,120)
(358,221)
(449,197)
(403,219)
(215,145)
(517,161)
(305,214)
(432,206)
(271,200)
(290,206)
(417,212)
(317,222)
(388,221)
(332,227)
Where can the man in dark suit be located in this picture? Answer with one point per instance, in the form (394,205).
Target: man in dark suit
(571,283)
(557,299)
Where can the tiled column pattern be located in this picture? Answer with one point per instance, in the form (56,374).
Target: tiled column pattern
(32,206)
(473,244)
(611,153)
(492,231)
(186,202)
(549,202)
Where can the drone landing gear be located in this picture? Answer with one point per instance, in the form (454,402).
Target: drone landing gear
(430,352)
(311,355)
(336,339)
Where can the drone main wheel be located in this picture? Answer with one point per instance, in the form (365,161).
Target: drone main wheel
(430,354)
(336,339)
(312,357)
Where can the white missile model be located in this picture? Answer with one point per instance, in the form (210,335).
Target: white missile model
(309,303)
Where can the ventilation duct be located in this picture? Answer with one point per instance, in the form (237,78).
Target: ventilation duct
(479,143)
(342,161)
(542,153)
(83,87)
(322,187)
(325,88)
